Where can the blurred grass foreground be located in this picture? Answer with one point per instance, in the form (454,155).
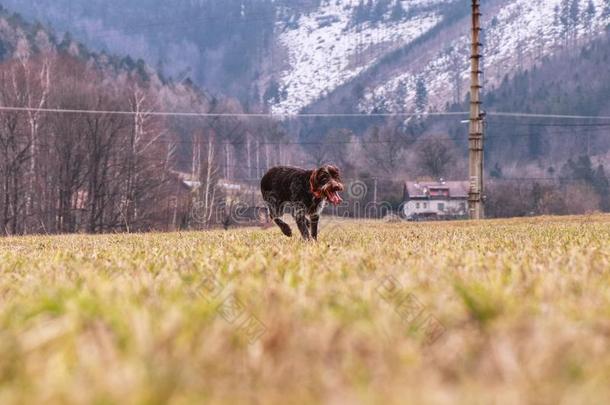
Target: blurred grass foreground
(506,311)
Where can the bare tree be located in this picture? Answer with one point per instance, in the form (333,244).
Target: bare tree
(435,156)
(144,157)
(103,133)
(208,171)
(103,172)
(14,155)
(31,80)
(384,148)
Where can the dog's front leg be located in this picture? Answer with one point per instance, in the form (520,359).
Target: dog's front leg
(315,219)
(301,221)
(283,226)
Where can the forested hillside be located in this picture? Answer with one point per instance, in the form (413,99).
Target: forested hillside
(575,81)
(219,44)
(322,55)
(120,165)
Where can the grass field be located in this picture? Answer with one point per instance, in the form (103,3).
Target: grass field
(513,311)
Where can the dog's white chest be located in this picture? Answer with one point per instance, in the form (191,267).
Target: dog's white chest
(321,206)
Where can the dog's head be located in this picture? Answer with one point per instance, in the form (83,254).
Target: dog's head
(326,183)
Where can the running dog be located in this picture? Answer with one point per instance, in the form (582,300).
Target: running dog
(304,192)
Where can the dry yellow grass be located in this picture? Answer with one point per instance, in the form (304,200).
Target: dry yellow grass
(520,312)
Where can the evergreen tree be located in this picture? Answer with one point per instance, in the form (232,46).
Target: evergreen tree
(569,17)
(398,12)
(581,169)
(360,13)
(606,11)
(381,8)
(589,16)
(401,91)
(564,18)
(421,95)
(556,18)
(574,13)
(272,94)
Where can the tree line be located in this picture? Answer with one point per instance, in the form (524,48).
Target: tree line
(76,172)
(101,171)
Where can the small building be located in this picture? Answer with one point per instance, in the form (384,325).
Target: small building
(435,200)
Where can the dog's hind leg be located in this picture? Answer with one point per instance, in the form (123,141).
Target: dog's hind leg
(303,226)
(275,213)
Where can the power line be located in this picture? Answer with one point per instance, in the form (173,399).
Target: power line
(233,115)
(557,116)
(314,115)
(540,124)
(322,115)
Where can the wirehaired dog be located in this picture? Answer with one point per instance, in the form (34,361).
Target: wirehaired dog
(303,192)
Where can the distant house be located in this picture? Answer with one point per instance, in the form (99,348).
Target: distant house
(435,200)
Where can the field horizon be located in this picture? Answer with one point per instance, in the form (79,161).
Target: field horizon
(498,311)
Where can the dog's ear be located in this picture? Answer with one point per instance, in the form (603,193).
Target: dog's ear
(333,171)
(313,180)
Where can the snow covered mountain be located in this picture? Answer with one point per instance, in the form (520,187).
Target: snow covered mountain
(334,59)
(325,49)
(288,56)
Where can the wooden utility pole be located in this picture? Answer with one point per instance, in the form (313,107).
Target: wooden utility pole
(475,136)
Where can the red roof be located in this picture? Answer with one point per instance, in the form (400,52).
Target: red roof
(426,189)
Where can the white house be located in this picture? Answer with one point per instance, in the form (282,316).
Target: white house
(435,200)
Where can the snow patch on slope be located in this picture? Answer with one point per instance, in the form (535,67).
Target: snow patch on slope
(520,34)
(325,52)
